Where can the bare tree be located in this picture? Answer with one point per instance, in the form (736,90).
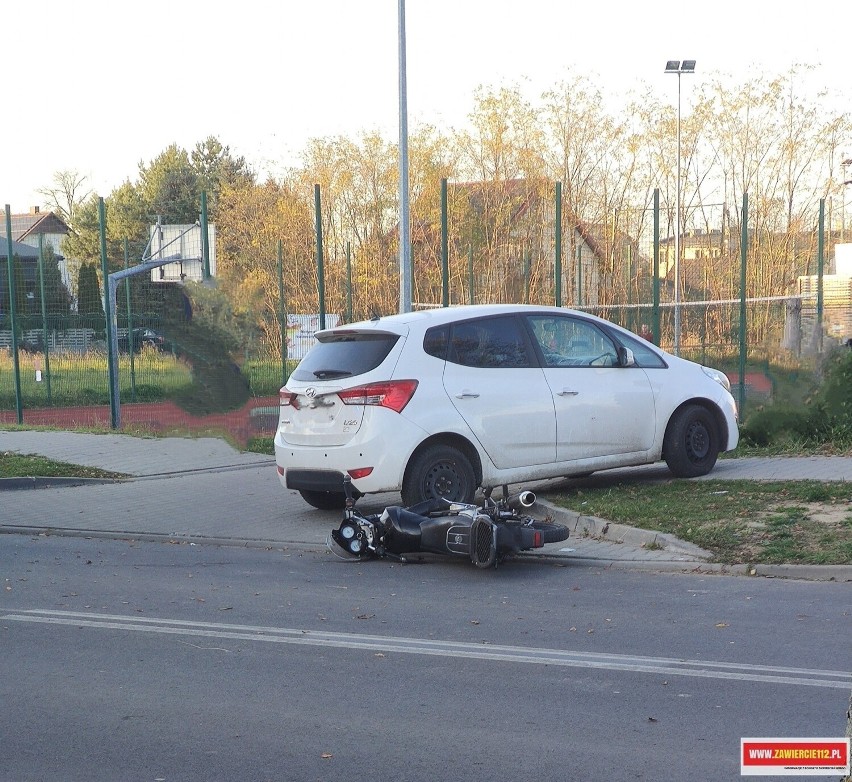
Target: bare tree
(67,192)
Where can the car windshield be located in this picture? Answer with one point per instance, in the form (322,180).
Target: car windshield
(344,355)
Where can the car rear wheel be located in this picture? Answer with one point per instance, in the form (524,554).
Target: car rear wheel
(439,471)
(324,500)
(691,445)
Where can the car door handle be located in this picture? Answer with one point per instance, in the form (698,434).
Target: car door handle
(465,394)
(566,392)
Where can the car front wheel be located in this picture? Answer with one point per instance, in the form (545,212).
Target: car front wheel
(439,471)
(691,444)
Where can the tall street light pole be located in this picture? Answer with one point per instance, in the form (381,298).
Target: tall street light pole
(404,221)
(679,67)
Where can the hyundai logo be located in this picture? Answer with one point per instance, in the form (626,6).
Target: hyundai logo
(310,392)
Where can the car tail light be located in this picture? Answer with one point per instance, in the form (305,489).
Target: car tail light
(286,397)
(393,394)
(538,539)
(360,472)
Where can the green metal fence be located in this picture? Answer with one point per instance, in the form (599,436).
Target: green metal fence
(187,357)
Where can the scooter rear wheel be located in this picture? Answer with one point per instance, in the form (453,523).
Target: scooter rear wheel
(550,532)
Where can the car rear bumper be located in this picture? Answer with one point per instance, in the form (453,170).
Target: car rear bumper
(313,480)
(321,468)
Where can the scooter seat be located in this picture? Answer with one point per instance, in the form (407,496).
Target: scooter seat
(405,521)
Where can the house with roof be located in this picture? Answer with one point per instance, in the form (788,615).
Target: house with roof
(48,227)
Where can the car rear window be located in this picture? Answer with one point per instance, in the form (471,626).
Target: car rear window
(344,355)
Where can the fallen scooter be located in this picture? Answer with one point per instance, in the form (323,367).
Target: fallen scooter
(485,533)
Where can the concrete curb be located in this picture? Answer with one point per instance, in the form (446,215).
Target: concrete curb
(158,537)
(592,527)
(838,573)
(600,529)
(36,482)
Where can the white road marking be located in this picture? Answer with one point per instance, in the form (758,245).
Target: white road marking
(803,677)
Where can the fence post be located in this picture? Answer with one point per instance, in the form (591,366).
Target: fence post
(557,268)
(10,265)
(320,269)
(205,239)
(820,271)
(445,253)
(579,274)
(282,313)
(655,324)
(470,286)
(44,317)
(743,335)
(348,282)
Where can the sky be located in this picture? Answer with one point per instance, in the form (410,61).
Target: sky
(99,87)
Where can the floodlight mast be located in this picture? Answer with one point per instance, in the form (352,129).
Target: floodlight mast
(679,67)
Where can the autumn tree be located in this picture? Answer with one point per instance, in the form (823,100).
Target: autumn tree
(253,219)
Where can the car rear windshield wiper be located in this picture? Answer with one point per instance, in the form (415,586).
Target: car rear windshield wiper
(324,374)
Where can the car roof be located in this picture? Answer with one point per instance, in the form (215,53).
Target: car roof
(426,318)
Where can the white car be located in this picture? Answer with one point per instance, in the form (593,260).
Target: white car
(443,401)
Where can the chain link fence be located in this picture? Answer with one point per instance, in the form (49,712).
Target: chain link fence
(205,349)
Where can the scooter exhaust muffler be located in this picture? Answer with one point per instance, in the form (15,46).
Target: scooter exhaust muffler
(521,500)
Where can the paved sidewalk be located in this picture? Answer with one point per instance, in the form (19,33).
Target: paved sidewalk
(203,490)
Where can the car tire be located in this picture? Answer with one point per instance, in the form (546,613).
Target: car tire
(439,471)
(691,444)
(324,500)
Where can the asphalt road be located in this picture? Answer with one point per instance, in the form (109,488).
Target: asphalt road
(154,661)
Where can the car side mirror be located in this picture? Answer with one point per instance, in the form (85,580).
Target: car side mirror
(626,357)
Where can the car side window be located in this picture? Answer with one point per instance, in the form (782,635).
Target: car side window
(489,343)
(435,341)
(571,342)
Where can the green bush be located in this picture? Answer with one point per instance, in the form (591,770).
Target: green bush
(834,396)
(824,419)
(776,426)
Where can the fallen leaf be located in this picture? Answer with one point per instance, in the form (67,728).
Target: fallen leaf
(327,755)
(721,624)
(474,621)
(652,719)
